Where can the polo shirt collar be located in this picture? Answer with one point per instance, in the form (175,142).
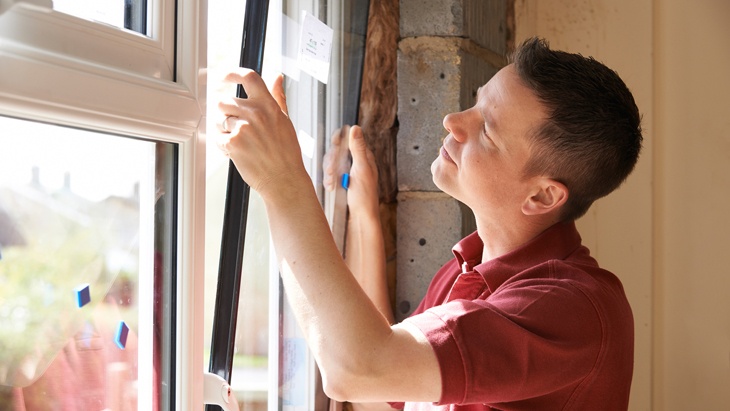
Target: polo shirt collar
(555,243)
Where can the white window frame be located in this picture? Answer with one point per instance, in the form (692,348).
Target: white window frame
(60,69)
(35,25)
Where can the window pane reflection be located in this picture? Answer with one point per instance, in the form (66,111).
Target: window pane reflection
(249,376)
(86,273)
(127,14)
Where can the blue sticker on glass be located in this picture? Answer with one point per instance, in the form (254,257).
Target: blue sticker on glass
(122,333)
(83,295)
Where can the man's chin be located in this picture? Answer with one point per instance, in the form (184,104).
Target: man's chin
(438,182)
(434,169)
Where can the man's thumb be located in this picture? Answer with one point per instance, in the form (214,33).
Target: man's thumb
(278,93)
(356,141)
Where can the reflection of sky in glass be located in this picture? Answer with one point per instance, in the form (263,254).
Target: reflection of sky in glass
(225,28)
(249,374)
(87,160)
(104,11)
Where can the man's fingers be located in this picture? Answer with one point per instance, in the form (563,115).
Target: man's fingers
(336,138)
(227,123)
(255,88)
(252,83)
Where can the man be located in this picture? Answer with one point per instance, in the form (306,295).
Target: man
(523,318)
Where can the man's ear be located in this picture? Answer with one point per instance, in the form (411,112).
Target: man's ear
(549,195)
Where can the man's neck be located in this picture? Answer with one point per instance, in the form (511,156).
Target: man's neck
(500,239)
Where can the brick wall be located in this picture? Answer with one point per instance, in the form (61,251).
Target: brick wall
(447,50)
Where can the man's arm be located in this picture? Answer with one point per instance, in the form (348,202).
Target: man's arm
(365,248)
(371,406)
(361,356)
(365,256)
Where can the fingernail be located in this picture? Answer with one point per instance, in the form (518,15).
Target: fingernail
(345,181)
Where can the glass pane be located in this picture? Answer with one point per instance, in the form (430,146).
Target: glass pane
(249,377)
(127,14)
(318,110)
(86,269)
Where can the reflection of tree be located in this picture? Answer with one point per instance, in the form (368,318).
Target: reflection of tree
(38,302)
(67,241)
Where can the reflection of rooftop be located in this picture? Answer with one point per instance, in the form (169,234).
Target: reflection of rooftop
(26,211)
(9,233)
(32,208)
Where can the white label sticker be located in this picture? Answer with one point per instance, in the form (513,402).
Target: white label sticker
(290,48)
(315,47)
(294,374)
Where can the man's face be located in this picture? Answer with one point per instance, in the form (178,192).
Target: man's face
(482,159)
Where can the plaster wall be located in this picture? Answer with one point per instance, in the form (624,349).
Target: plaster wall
(665,232)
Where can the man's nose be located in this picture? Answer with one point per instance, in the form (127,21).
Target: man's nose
(455,124)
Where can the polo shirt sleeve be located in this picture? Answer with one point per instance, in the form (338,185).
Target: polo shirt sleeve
(529,338)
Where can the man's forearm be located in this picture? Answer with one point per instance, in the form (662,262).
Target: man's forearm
(342,325)
(365,255)
(371,406)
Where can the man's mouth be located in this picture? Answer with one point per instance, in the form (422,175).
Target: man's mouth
(446,155)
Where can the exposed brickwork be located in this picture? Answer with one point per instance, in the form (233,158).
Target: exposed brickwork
(447,50)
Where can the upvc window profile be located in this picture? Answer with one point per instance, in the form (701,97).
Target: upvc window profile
(35,27)
(76,74)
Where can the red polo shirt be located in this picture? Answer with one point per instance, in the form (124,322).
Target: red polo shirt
(540,328)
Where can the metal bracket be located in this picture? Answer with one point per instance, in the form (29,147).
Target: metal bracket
(217,391)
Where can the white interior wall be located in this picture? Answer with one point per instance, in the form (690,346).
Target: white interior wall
(692,230)
(664,232)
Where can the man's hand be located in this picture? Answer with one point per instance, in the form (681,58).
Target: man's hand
(362,194)
(336,158)
(365,250)
(258,136)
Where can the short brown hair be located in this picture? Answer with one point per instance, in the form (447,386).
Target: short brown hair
(592,137)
